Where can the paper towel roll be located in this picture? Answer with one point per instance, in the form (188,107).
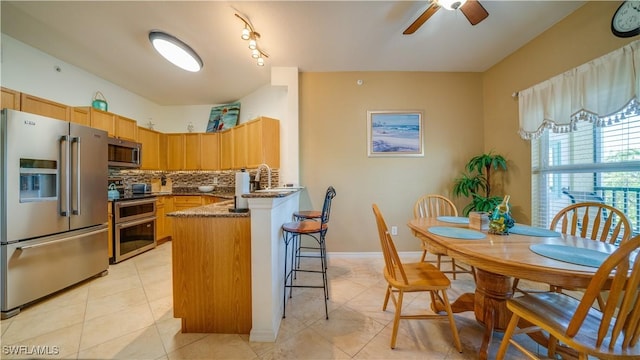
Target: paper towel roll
(242,187)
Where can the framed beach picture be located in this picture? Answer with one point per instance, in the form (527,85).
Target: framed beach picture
(223,117)
(394,133)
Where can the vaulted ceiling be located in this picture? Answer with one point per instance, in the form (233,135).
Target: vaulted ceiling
(110,39)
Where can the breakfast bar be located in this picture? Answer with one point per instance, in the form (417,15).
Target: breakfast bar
(227,275)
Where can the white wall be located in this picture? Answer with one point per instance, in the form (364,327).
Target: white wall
(27,69)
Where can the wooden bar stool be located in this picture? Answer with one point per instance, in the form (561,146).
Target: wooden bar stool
(292,233)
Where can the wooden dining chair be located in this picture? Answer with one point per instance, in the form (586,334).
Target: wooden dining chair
(411,277)
(610,332)
(590,220)
(432,205)
(593,220)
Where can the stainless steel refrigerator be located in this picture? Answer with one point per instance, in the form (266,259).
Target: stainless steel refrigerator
(53,206)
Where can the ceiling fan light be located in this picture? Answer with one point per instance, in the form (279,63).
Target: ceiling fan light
(175,51)
(451,4)
(246,34)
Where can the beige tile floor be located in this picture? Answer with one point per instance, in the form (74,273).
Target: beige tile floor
(128,315)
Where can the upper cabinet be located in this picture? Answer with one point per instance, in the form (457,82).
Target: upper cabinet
(80,116)
(240,146)
(126,129)
(226,149)
(175,151)
(263,142)
(150,140)
(210,151)
(115,125)
(10,99)
(35,105)
(193,151)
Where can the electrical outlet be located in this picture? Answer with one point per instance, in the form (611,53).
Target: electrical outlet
(394,230)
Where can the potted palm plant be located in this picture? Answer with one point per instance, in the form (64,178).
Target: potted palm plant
(476,182)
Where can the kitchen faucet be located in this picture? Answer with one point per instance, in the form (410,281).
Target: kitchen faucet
(257,178)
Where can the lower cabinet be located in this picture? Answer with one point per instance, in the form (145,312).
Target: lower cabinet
(164,205)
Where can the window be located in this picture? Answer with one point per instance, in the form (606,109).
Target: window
(596,161)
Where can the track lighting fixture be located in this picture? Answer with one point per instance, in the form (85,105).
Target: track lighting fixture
(248,33)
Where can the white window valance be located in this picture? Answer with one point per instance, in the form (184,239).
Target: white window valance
(596,92)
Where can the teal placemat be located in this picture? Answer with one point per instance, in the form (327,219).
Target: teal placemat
(570,254)
(456,232)
(533,231)
(453,219)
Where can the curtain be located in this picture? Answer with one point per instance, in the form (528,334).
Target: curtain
(597,91)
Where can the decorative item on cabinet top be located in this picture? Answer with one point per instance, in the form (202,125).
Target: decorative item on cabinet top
(223,117)
(99,101)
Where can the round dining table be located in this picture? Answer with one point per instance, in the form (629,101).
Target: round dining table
(498,259)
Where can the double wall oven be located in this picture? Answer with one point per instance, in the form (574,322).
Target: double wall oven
(134,223)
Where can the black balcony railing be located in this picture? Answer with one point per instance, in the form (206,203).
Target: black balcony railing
(626,199)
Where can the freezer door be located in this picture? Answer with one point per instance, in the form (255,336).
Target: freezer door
(33,163)
(89,173)
(36,268)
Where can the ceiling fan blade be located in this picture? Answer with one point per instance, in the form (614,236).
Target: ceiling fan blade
(422,18)
(474,11)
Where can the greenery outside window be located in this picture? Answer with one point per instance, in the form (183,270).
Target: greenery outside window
(591,163)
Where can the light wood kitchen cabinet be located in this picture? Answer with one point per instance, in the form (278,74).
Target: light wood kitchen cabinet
(192,151)
(125,128)
(10,99)
(263,142)
(226,149)
(35,105)
(102,120)
(163,225)
(80,116)
(175,151)
(240,146)
(150,140)
(210,151)
(186,202)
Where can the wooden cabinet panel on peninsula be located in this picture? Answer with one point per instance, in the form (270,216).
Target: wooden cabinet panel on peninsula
(35,105)
(150,140)
(10,99)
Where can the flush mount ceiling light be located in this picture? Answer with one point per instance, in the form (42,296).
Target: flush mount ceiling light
(176,51)
(451,4)
(249,34)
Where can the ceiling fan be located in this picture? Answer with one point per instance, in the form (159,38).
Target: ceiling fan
(472,10)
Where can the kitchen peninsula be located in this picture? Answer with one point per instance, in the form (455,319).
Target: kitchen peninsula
(228,267)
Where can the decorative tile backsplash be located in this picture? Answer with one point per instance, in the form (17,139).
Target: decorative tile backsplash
(191,179)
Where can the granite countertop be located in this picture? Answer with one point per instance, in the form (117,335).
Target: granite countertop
(219,209)
(272,193)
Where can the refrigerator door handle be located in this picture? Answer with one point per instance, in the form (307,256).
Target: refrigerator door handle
(63,183)
(75,180)
(61,240)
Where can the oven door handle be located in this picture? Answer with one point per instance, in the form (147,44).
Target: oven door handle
(61,240)
(120,204)
(135,222)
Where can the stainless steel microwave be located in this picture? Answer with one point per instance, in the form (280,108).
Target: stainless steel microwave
(124,154)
